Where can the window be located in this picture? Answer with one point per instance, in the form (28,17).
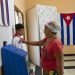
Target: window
(18,16)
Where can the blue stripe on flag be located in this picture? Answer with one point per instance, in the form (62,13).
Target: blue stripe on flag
(74,30)
(68,35)
(7,11)
(2,12)
(62,29)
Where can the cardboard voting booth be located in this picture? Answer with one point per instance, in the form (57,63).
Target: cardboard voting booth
(14,60)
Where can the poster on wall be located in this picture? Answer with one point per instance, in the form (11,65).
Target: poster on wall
(45,15)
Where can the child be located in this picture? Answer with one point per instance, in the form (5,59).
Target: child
(18,36)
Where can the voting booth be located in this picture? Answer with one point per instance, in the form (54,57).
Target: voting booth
(14,60)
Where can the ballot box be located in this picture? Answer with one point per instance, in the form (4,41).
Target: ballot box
(14,61)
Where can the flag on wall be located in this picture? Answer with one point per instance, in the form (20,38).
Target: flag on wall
(67,22)
(4,13)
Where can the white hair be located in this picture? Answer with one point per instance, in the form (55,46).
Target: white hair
(53,26)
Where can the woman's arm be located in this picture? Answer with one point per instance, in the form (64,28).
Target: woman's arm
(36,43)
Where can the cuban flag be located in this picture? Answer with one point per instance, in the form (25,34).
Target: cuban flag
(67,22)
(4,13)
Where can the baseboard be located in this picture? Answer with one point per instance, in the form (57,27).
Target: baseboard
(69,60)
(69,54)
(69,67)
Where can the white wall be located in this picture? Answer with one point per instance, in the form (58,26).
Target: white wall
(6,32)
(33,35)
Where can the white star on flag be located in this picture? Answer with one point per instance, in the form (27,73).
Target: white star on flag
(68,17)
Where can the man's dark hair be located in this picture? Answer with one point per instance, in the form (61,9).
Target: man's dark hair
(19,26)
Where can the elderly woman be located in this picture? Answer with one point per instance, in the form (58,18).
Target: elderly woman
(52,51)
